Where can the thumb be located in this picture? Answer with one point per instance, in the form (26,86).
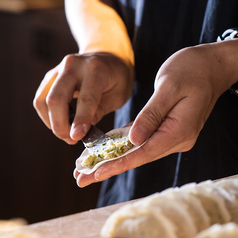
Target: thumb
(151,116)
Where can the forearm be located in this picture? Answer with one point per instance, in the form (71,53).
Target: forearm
(97,27)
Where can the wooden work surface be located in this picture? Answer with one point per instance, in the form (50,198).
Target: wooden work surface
(82,225)
(23,5)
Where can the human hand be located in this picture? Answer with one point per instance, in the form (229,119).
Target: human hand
(187,87)
(101,82)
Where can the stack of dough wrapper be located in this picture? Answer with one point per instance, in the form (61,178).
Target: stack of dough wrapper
(204,210)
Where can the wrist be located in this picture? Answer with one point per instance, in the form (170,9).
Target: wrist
(226,55)
(230,34)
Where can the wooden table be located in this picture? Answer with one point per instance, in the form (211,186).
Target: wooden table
(82,225)
(23,5)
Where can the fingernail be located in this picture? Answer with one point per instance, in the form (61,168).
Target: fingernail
(138,135)
(77,132)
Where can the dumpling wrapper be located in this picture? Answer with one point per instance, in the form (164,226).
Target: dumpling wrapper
(229,230)
(213,204)
(231,188)
(140,221)
(175,212)
(192,205)
(85,170)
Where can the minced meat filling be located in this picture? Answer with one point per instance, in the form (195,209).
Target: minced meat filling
(113,148)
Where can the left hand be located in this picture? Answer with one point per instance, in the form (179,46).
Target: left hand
(187,87)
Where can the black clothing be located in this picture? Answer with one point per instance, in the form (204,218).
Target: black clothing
(158,29)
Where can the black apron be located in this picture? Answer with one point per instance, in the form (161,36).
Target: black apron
(157,29)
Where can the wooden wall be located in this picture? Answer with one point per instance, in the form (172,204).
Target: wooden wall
(36,168)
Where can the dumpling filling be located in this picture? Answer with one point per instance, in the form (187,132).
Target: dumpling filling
(112,148)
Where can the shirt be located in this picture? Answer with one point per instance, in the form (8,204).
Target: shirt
(157,29)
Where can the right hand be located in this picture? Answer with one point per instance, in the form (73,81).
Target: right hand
(101,82)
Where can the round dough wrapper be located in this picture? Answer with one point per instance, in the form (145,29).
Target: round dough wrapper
(85,170)
(136,220)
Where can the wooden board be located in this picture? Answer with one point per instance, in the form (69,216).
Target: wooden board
(22,5)
(82,225)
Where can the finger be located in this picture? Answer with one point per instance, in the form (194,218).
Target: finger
(39,102)
(143,155)
(146,154)
(89,98)
(177,133)
(84,180)
(76,173)
(125,163)
(151,116)
(58,99)
(108,103)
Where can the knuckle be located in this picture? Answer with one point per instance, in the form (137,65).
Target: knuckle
(37,103)
(59,131)
(52,100)
(87,99)
(69,59)
(69,64)
(49,74)
(96,64)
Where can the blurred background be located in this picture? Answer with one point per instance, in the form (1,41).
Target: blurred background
(36,181)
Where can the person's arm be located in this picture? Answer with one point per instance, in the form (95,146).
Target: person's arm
(187,87)
(97,27)
(201,74)
(100,76)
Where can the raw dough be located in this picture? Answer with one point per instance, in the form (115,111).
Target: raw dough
(193,206)
(140,221)
(178,213)
(214,205)
(229,230)
(175,211)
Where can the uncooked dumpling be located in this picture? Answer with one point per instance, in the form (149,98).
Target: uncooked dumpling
(193,206)
(179,213)
(175,211)
(229,230)
(213,204)
(231,187)
(136,220)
